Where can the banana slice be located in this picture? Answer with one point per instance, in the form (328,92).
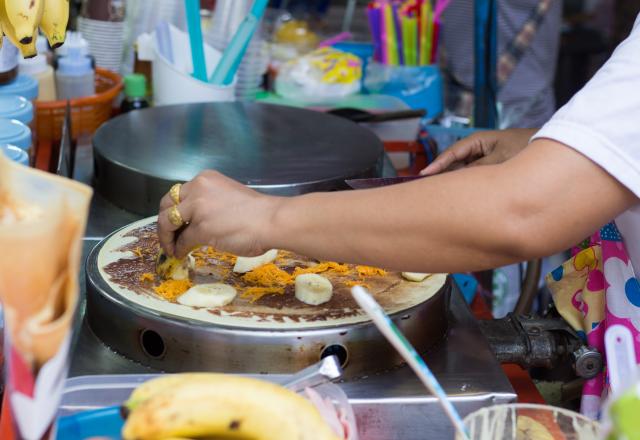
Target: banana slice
(313,289)
(247,264)
(530,429)
(208,295)
(415,276)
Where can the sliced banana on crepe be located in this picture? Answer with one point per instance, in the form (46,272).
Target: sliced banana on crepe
(415,276)
(208,295)
(247,264)
(313,289)
(171,268)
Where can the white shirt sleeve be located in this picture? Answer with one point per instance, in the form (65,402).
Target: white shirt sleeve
(602,121)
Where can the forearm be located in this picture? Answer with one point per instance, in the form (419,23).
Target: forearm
(471,219)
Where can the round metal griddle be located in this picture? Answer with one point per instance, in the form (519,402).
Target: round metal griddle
(274,149)
(172,343)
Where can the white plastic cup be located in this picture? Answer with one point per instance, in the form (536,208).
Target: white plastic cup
(173,82)
(501,422)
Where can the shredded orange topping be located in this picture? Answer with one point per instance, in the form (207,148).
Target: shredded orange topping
(171,289)
(369,271)
(351,283)
(209,252)
(138,252)
(255,293)
(268,275)
(323,267)
(147,277)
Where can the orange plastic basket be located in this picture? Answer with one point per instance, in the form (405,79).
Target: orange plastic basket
(87,113)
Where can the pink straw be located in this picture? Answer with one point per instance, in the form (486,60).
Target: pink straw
(441,5)
(342,36)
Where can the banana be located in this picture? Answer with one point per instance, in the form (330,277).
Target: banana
(313,289)
(1,32)
(152,387)
(530,429)
(24,16)
(415,276)
(208,295)
(171,268)
(54,21)
(223,406)
(247,264)
(27,50)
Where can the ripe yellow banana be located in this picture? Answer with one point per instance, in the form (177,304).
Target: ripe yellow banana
(217,405)
(24,16)
(152,387)
(28,50)
(54,21)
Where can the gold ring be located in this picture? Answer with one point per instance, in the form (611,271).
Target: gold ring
(174,193)
(175,217)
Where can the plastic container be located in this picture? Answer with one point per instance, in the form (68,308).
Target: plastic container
(135,91)
(23,85)
(75,77)
(420,87)
(503,422)
(16,133)
(38,69)
(87,113)
(172,81)
(15,154)
(16,107)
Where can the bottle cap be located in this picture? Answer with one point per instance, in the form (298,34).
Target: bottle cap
(15,154)
(16,107)
(8,55)
(74,39)
(23,85)
(33,66)
(15,133)
(135,85)
(74,63)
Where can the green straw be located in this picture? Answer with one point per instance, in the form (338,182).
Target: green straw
(429,33)
(412,41)
(392,42)
(406,38)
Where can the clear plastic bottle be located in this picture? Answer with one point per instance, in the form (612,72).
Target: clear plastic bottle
(135,92)
(75,76)
(38,69)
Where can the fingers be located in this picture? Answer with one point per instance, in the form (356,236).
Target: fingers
(167,230)
(187,240)
(457,153)
(166,201)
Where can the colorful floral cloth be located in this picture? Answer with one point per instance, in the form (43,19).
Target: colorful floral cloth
(595,289)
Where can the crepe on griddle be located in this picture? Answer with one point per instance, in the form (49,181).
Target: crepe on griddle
(42,220)
(127,262)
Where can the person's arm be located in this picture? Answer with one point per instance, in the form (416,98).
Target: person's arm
(489,147)
(544,200)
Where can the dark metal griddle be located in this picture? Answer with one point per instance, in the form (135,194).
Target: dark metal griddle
(274,149)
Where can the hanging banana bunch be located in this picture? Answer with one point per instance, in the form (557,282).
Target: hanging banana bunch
(20,19)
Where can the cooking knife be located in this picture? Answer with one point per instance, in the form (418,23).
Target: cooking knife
(379,181)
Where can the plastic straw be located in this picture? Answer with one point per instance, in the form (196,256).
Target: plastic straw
(441,5)
(425,9)
(342,36)
(429,33)
(409,354)
(412,42)
(391,43)
(434,41)
(374,23)
(406,39)
(192,8)
(228,65)
(398,32)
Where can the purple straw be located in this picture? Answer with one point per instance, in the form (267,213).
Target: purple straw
(374,24)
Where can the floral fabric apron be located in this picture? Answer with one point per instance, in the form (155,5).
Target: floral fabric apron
(595,289)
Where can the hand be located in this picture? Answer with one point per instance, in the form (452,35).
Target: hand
(481,148)
(217,212)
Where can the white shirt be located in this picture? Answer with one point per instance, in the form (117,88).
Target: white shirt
(602,121)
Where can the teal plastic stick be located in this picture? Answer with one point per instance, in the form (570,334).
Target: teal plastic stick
(192,8)
(232,56)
